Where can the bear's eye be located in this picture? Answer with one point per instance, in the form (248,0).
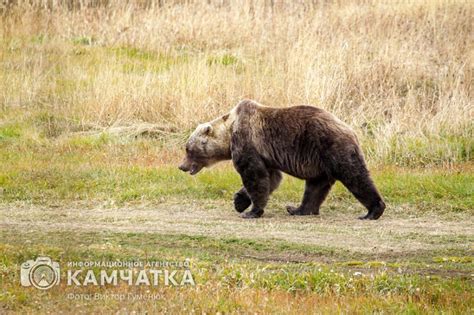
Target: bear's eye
(203,142)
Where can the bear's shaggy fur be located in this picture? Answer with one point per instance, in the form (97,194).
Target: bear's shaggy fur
(302,141)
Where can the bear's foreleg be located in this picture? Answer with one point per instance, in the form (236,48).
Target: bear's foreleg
(242,199)
(256,179)
(316,191)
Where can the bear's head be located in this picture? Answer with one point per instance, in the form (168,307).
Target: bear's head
(207,145)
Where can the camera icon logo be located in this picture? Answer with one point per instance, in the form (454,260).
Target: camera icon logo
(43,273)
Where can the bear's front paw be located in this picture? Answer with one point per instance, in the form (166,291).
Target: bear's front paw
(299,211)
(241,202)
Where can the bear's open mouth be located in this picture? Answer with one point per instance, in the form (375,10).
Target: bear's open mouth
(195,168)
(191,167)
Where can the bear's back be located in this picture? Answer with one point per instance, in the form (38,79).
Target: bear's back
(299,140)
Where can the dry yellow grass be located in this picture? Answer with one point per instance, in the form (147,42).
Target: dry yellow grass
(399,72)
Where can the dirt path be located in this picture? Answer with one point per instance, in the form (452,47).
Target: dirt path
(391,234)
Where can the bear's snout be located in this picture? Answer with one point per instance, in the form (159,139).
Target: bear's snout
(186,165)
(190,166)
(183,168)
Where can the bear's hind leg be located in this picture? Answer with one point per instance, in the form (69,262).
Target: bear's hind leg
(363,188)
(316,191)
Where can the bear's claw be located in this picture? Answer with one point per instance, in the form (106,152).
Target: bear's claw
(371,216)
(299,211)
(251,215)
(241,202)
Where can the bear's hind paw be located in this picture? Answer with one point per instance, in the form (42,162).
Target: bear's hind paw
(299,211)
(370,216)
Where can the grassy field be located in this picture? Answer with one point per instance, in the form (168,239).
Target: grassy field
(106,198)
(97,99)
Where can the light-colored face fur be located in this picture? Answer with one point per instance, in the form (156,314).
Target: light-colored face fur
(208,144)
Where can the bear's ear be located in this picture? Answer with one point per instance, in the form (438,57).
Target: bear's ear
(207,130)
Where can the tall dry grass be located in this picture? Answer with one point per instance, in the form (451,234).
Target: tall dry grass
(399,72)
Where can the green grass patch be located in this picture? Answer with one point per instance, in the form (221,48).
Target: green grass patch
(83,40)
(135,60)
(225,60)
(10,131)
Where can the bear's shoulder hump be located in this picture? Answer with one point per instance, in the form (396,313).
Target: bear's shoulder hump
(246,105)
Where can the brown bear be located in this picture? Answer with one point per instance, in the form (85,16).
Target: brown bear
(303,141)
